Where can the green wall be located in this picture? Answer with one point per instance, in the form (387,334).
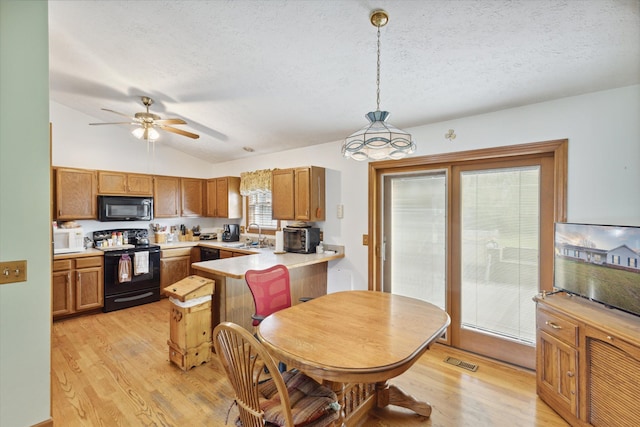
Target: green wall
(25,307)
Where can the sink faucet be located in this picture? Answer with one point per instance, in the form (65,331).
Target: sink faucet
(259,232)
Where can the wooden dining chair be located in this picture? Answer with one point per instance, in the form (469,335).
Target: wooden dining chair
(273,399)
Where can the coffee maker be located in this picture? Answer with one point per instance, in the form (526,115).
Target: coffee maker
(230,233)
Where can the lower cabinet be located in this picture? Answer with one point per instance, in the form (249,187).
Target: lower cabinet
(588,361)
(77,285)
(175,265)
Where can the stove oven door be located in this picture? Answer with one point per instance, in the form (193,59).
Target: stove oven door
(143,286)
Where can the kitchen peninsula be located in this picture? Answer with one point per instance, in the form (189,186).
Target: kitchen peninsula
(232,300)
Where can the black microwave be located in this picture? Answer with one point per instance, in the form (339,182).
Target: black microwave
(125,208)
(301,240)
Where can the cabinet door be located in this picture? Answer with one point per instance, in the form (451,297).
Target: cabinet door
(192,192)
(282,194)
(61,290)
(138,184)
(212,198)
(112,182)
(166,196)
(89,288)
(225,254)
(76,192)
(173,270)
(222,198)
(302,193)
(556,369)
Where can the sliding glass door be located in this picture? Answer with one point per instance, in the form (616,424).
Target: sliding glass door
(467,237)
(414,251)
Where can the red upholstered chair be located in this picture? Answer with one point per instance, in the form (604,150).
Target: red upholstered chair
(271,290)
(289,399)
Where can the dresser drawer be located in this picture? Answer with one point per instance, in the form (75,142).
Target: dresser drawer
(558,327)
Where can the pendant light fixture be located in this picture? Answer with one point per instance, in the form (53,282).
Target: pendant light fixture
(378,140)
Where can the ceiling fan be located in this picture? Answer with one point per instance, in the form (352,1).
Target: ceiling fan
(148,122)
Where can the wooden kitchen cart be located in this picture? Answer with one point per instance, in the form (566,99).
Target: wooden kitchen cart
(190,321)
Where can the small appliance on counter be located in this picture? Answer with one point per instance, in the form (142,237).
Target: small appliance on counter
(230,233)
(67,240)
(302,240)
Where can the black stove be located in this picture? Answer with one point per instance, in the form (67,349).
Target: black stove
(131,268)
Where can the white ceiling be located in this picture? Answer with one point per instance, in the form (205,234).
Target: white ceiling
(276,75)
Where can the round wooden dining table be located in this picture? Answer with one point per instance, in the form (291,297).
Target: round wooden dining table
(355,341)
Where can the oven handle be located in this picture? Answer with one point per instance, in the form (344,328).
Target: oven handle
(146,294)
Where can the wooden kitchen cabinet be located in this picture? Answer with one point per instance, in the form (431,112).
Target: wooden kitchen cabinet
(175,265)
(75,194)
(130,184)
(223,197)
(298,194)
(77,285)
(587,361)
(557,360)
(192,197)
(166,196)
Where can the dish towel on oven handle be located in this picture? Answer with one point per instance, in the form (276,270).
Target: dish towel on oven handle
(141,263)
(124,269)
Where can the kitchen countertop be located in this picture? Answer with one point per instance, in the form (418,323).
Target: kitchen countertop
(236,267)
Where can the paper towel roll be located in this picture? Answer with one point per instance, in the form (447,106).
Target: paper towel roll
(279,242)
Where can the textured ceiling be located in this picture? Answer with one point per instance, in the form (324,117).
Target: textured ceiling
(276,75)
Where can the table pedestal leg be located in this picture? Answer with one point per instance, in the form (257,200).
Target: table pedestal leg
(338,389)
(392,395)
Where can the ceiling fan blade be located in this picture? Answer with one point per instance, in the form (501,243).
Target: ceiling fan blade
(179,131)
(170,122)
(116,123)
(120,114)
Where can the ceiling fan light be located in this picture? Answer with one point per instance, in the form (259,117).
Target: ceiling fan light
(152,134)
(138,133)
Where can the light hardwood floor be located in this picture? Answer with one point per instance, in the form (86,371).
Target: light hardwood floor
(112,369)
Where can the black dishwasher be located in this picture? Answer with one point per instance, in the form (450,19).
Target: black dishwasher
(207,254)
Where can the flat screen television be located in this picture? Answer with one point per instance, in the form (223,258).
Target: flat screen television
(599,262)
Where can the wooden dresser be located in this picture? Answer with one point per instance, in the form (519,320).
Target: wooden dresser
(588,361)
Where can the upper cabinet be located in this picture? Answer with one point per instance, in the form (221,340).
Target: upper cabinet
(75,194)
(223,197)
(131,184)
(166,196)
(298,194)
(192,196)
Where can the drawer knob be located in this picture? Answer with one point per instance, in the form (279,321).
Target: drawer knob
(553,325)
(570,374)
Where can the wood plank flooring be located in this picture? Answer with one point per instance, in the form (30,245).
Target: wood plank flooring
(112,369)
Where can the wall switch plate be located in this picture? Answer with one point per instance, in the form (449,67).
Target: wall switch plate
(340,211)
(365,240)
(13,271)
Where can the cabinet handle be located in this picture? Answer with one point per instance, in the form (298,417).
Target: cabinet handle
(79,282)
(553,325)
(69,277)
(570,374)
(609,337)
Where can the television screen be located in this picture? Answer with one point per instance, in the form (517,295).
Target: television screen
(599,262)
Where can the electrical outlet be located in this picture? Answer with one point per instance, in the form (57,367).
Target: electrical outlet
(242,229)
(365,240)
(13,271)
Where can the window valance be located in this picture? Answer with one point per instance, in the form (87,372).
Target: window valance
(255,182)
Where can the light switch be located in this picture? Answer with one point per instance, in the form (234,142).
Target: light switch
(365,240)
(340,211)
(13,271)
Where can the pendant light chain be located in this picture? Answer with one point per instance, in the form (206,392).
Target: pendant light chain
(378,75)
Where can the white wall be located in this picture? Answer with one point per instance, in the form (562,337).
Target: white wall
(604,164)
(25,307)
